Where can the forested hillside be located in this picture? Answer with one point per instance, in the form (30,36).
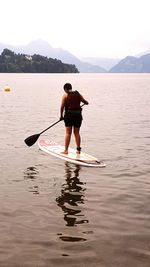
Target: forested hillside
(21,63)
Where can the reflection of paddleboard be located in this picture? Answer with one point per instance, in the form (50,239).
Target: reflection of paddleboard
(80,159)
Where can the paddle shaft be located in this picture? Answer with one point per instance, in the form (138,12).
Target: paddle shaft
(49,127)
(33,138)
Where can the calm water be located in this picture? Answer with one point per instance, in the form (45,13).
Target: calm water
(57,214)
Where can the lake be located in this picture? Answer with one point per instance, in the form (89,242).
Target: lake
(53,213)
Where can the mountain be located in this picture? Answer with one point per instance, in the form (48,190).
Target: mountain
(106,63)
(43,48)
(143,53)
(133,65)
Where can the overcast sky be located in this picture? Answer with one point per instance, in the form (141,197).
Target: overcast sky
(85,28)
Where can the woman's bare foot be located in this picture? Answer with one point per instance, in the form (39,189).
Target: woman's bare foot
(64,152)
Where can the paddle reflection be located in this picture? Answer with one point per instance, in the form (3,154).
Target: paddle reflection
(72,196)
(31,174)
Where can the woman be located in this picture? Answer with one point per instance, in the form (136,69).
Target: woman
(73,118)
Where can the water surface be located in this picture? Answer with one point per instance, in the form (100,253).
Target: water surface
(53,213)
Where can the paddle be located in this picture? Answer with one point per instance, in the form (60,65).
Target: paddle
(33,138)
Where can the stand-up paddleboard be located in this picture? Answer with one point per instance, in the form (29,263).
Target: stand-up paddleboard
(83,159)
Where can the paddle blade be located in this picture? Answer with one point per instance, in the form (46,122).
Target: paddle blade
(31,139)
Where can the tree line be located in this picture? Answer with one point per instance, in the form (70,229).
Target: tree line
(11,62)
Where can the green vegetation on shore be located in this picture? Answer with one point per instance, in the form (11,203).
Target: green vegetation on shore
(20,63)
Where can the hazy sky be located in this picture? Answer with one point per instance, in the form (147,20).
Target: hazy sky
(101,28)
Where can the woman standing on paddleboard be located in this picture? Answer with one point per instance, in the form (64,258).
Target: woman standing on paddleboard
(73,115)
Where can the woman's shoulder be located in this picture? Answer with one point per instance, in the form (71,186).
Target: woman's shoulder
(64,95)
(76,92)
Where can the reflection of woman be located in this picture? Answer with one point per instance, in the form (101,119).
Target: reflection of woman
(72,194)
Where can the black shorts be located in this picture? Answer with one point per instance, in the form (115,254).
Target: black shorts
(73,120)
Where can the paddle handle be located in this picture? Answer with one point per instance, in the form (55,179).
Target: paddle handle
(82,105)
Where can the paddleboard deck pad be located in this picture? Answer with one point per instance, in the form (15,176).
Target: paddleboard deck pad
(56,150)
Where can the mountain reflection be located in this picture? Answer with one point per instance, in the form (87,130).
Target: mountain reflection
(72,196)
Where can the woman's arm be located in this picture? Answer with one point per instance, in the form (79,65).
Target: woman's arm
(84,100)
(62,106)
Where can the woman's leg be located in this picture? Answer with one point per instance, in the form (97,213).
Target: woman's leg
(77,138)
(67,139)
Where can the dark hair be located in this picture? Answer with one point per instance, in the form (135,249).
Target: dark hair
(67,86)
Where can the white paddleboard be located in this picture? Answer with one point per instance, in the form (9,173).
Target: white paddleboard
(56,150)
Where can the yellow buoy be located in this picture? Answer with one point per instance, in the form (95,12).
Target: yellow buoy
(7,88)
